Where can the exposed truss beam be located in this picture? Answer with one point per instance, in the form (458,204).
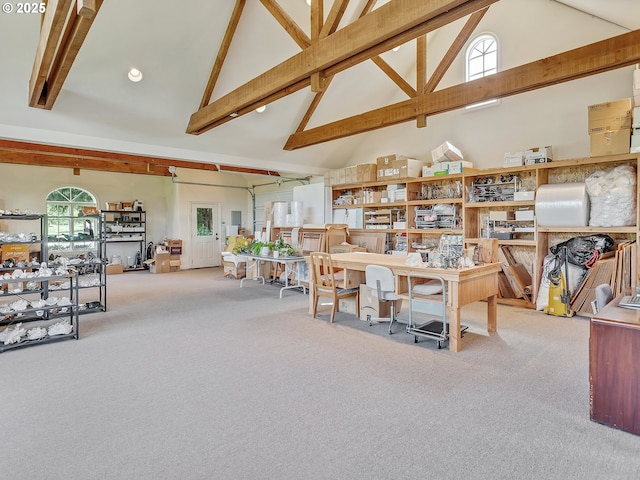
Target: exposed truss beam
(287,23)
(333,19)
(395,76)
(64,29)
(599,57)
(392,24)
(454,50)
(222,52)
(421,73)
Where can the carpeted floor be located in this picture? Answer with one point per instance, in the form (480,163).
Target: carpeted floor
(189,376)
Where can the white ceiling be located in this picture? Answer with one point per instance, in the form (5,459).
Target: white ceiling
(174,44)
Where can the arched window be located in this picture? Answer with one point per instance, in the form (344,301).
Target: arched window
(68,228)
(482,60)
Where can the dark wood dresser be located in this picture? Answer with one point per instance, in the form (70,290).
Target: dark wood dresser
(614,367)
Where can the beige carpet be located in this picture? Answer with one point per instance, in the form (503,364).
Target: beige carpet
(187,376)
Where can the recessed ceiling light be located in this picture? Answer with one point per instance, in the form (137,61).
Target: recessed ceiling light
(261,109)
(395,49)
(135,75)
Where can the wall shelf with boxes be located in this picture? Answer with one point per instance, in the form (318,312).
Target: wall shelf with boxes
(127,229)
(496,202)
(86,252)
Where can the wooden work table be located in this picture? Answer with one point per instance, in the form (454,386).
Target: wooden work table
(614,367)
(463,286)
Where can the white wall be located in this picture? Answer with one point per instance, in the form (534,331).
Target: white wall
(527,30)
(191,186)
(166,203)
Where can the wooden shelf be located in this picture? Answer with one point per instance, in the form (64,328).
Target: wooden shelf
(519,203)
(607,230)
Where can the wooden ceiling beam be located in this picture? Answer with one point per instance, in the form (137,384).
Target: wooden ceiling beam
(386,26)
(12,151)
(454,50)
(62,34)
(333,19)
(292,28)
(53,22)
(620,51)
(421,73)
(222,52)
(395,76)
(78,27)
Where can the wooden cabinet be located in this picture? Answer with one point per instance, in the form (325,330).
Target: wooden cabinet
(614,368)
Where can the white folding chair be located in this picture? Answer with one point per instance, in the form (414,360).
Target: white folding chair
(382,283)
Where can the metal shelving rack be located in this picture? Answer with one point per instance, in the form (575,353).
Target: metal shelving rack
(89,259)
(42,316)
(127,227)
(38,288)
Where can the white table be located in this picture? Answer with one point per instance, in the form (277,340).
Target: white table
(287,261)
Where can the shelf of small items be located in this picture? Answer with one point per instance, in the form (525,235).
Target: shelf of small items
(25,299)
(434,207)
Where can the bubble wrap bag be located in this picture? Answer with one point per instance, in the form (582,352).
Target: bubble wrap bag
(612,194)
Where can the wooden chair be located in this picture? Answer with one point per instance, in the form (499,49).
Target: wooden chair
(325,283)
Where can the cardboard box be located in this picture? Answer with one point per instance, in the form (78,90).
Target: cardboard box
(635,142)
(161,263)
(515,159)
(369,305)
(18,252)
(115,268)
(174,247)
(233,271)
(371,196)
(524,215)
(393,167)
(615,115)
(350,174)
(501,215)
(458,166)
(366,172)
(348,305)
(528,195)
(446,152)
(611,142)
(346,248)
(435,169)
(538,155)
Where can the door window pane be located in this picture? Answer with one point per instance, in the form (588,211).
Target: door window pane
(204,219)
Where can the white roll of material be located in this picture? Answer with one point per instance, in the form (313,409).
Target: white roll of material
(562,205)
(280,211)
(297,214)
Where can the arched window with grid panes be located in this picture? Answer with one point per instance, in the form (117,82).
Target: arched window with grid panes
(482,60)
(69,228)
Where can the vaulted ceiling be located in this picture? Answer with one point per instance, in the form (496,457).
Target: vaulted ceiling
(207,64)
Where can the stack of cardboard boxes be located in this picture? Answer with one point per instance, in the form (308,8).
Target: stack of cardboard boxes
(167,257)
(610,127)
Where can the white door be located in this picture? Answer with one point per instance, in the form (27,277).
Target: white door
(205,235)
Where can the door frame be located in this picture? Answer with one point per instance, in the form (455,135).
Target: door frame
(217,230)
